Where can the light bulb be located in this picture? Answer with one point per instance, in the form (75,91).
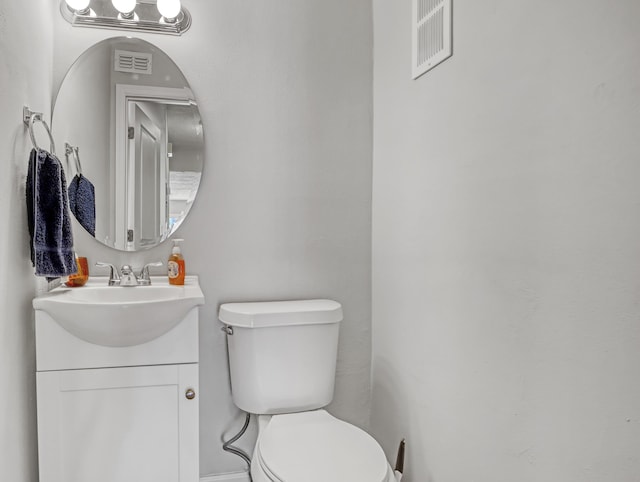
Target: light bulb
(169,9)
(78,5)
(124,6)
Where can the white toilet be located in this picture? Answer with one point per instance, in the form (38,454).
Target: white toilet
(282,361)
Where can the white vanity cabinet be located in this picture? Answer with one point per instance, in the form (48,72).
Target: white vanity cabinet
(117,413)
(119,424)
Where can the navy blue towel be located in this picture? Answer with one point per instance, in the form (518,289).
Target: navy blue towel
(82,202)
(49,220)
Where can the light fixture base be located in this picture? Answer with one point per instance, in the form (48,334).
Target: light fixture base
(147,18)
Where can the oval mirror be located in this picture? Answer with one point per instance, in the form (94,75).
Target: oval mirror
(129,133)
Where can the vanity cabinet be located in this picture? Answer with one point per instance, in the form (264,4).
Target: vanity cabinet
(119,424)
(117,413)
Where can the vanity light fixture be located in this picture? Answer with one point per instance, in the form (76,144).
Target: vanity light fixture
(155,16)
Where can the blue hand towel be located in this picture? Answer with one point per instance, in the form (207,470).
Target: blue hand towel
(49,220)
(82,202)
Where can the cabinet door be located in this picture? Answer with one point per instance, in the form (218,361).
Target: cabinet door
(119,424)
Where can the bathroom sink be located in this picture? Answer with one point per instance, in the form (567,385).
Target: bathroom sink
(121,316)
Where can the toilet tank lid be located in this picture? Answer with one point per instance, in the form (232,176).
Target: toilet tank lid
(280,313)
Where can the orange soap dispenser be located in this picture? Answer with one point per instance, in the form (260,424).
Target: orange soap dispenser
(175,265)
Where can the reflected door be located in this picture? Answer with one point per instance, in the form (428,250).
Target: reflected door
(148,176)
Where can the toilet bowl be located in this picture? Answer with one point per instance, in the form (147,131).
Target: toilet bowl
(316,447)
(282,360)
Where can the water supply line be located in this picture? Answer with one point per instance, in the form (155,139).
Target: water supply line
(228,447)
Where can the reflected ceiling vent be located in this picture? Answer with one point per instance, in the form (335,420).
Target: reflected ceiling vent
(133,62)
(432,34)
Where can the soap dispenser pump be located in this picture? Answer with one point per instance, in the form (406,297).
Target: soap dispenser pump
(175,265)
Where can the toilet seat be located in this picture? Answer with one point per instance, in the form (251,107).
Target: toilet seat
(317,447)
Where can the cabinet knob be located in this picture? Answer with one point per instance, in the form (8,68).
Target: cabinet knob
(190,394)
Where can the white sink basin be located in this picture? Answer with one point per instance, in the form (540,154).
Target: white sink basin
(121,316)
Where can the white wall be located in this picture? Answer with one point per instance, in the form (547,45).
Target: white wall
(284,209)
(506,244)
(25,79)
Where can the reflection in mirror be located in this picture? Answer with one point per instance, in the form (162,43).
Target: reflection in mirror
(129,111)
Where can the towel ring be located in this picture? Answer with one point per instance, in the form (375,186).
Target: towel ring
(30,119)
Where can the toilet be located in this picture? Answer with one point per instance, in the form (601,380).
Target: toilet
(282,362)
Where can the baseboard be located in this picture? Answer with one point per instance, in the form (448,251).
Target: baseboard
(233,477)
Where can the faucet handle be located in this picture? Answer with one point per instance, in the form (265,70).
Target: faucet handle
(145,278)
(114,277)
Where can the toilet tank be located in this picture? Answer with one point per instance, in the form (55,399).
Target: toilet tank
(282,354)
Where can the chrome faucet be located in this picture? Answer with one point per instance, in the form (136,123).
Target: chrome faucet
(126,276)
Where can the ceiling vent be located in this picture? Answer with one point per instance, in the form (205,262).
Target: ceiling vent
(432,38)
(133,62)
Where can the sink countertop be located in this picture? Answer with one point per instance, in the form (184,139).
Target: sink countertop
(118,315)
